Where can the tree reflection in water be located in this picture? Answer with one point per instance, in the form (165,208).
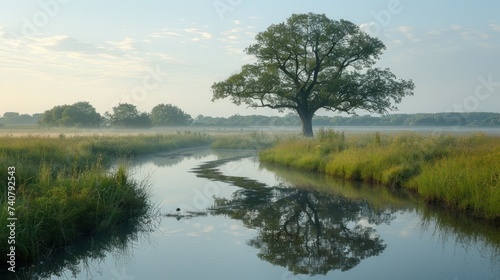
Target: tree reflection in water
(306,231)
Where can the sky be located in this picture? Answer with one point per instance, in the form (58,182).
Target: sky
(55,52)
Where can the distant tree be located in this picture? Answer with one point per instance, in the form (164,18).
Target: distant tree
(57,112)
(14,118)
(123,114)
(276,121)
(85,114)
(78,114)
(126,115)
(311,62)
(69,116)
(53,117)
(168,114)
(142,120)
(46,118)
(10,115)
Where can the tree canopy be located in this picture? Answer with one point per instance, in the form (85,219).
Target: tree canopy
(311,62)
(168,114)
(14,118)
(78,114)
(127,115)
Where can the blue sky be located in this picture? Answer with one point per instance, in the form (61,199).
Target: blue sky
(55,52)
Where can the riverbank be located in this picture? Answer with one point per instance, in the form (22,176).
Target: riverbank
(460,172)
(60,189)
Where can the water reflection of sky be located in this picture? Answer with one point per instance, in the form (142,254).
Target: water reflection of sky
(177,187)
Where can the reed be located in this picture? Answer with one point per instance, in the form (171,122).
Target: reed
(461,172)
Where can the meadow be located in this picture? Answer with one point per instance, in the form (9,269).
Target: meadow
(459,172)
(65,190)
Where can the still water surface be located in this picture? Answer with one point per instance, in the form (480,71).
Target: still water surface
(240,219)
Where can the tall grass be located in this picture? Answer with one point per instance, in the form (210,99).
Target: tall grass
(468,179)
(65,191)
(460,172)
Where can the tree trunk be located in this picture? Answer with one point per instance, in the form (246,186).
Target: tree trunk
(307,128)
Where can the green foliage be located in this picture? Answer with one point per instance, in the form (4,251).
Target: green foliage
(14,118)
(80,114)
(168,114)
(468,179)
(330,140)
(126,115)
(461,172)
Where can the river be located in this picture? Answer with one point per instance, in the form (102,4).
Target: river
(240,219)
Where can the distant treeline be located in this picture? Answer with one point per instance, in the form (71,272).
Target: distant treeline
(437,119)
(14,118)
(82,114)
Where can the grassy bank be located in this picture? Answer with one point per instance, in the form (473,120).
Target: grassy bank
(459,172)
(64,190)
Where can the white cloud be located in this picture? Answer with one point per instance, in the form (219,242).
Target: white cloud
(201,34)
(366,27)
(186,33)
(63,58)
(495,27)
(62,43)
(397,42)
(408,41)
(237,39)
(436,32)
(126,44)
(473,35)
(406,31)
(164,34)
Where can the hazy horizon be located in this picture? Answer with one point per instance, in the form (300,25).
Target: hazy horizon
(56,52)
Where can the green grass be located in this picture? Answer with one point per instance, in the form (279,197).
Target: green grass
(467,179)
(459,172)
(65,191)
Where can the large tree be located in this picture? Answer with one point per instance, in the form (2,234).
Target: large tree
(311,62)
